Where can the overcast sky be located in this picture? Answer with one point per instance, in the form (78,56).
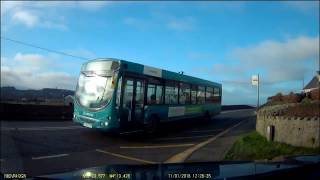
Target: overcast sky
(225,42)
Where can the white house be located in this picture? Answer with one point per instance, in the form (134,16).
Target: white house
(313,84)
(68,100)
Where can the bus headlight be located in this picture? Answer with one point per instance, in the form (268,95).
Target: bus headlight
(104,123)
(87,174)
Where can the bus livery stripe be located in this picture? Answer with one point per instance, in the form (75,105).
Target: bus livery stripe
(152,71)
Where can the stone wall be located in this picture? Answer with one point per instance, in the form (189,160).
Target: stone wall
(34,112)
(296,131)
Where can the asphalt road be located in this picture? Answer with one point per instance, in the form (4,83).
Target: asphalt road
(40,148)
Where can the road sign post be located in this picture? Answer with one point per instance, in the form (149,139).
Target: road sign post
(258,104)
(255,81)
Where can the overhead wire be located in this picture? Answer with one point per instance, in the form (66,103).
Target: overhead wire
(43,48)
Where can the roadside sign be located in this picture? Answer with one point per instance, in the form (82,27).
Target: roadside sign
(255,80)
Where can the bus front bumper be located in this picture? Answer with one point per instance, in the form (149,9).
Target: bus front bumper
(103,125)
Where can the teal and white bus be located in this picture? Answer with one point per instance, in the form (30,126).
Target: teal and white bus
(114,94)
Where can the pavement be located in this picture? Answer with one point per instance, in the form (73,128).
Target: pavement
(41,148)
(217,149)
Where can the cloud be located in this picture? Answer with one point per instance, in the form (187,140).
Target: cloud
(34,59)
(231,70)
(240,91)
(30,62)
(215,6)
(43,14)
(183,24)
(282,66)
(53,25)
(30,80)
(303,6)
(7,6)
(136,22)
(200,56)
(93,5)
(25,18)
(34,71)
(162,20)
(233,96)
(282,61)
(130,21)
(85,5)
(30,15)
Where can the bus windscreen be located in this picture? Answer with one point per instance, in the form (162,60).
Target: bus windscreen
(95,84)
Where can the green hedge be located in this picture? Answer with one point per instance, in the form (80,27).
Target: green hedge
(253,146)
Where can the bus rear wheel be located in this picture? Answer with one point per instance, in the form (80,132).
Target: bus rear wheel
(153,126)
(207,117)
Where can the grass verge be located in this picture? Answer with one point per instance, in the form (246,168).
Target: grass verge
(253,146)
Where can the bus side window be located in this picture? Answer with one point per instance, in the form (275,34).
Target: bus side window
(171,93)
(216,93)
(200,95)
(184,93)
(159,94)
(194,94)
(188,94)
(139,93)
(209,95)
(151,94)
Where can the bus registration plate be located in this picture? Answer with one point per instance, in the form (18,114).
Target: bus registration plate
(87,125)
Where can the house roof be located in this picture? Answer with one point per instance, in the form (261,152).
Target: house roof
(314,83)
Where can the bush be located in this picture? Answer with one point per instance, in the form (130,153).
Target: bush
(278,97)
(292,98)
(315,94)
(306,100)
(310,109)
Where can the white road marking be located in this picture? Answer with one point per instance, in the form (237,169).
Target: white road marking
(126,157)
(231,111)
(129,132)
(50,156)
(186,137)
(40,128)
(182,156)
(155,147)
(212,130)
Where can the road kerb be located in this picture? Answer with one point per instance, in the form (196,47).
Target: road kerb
(50,156)
(156,146)
(182,156)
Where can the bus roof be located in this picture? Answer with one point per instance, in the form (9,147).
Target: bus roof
(160,73)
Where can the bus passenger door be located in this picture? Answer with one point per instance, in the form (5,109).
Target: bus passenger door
(133,99)
(127,101)
(139,100)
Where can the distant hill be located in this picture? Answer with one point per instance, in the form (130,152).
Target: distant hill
(13,94)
